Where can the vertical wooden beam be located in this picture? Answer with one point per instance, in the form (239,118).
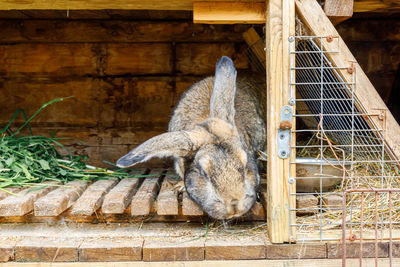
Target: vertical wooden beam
(280,25)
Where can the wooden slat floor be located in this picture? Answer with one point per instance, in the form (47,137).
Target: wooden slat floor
(156,196)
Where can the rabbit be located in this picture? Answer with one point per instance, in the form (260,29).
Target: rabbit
(214,134)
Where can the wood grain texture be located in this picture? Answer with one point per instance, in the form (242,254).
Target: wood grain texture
(334,250)
(200,59)
(143,200)
(167,199)
(255,43)
(61,6)
(280,25)
(307,204)
(225,248)
(82,110)
(5,192)
(41,59)
(103,4)
(376,6)
(296,251)
(338,10)
(24,202)
(315,19)
(228,12)
(189,207)
(111,249)
(60,199)
(155,58)
(7,250)
(47,249)
(115,31)
(173,249)
(92,198)
(118,199)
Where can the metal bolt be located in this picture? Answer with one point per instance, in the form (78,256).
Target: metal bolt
(292,102)
(351,69)
(329,38)
(291,39)
(283,154)
(291,180)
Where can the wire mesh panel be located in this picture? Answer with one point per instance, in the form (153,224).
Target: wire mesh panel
(338,147)
(369,205)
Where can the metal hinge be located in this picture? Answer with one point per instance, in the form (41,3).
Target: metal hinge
(285,126)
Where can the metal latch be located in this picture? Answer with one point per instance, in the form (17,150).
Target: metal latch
(285,126)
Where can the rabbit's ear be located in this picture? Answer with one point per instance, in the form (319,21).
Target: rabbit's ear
(222,103)
(171,144)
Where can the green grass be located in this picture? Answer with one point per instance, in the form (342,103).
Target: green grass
(30,160)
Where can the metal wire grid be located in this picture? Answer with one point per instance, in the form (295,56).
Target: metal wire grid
(370,198)
(339,132)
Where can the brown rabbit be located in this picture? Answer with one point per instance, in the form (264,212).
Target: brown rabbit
(214,134)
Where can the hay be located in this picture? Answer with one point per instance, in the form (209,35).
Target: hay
(356,178)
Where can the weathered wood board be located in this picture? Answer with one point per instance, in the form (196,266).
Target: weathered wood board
(155,196)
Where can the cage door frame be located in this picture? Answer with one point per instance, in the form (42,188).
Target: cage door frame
(280,25)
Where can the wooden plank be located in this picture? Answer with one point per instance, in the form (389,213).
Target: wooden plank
(200,58)
(127,31)
(4,192)
(307,202)
(59,200)
(230,248)
(23,203)
(359,5)
(173,249)
(118,199)
(92,198)
(376,6)
(253,263)
(144,197)
(315,19)
(7,250)
(228,13)
(152,101)
(338,10)
(111,249)
(136,58)
(297,251)
(334,250)
(32,94)
(43,60)
(256,44)
(101,4)
(189,207)
(47,249)
(280,25)
(167,200)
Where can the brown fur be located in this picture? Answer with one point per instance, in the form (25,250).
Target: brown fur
(214,134)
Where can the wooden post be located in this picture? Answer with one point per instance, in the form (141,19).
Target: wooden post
(280,25)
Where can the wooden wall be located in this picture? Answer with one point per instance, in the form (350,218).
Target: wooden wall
(125,75)
(127,69)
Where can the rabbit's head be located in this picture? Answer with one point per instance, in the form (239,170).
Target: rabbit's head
(219,173)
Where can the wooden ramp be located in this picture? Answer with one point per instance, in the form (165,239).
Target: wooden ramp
(154,195)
